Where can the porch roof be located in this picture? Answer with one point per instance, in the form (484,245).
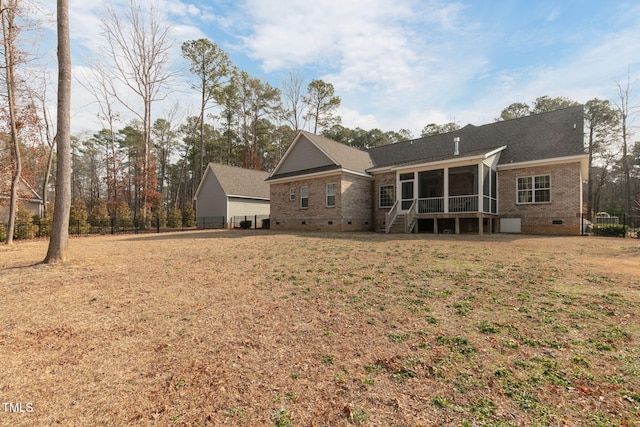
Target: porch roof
(467,156)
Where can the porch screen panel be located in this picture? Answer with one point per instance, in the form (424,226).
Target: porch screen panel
(463,181)
(431,184)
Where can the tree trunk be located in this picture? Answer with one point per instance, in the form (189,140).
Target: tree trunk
(60,229)
(8,32)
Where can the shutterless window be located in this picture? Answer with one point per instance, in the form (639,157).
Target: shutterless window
(292,194)
(387,196)
(304,197)
(534,189)
(331,195)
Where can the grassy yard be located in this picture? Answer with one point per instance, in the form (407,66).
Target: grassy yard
(256,328)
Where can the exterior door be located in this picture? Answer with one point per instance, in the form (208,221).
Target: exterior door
(407,195)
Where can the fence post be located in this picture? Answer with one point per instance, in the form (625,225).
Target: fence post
(255,222)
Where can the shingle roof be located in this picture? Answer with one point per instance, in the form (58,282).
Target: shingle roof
(345,156)
(237,181)
(543,136)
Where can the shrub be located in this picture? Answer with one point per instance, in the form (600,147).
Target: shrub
(188,216)
(610,230)
(123,215)
(160,217)
(175,218)
(99,215)
(78,217)
(245,225)
(24,224)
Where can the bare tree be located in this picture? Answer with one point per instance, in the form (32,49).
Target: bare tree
(292,94)
(60,228)
(602,121)
(101,87)
(8,11)
(626,109)
(138,46)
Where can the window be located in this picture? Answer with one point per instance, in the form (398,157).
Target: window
(292,194)
(387,196)
(534,189)
(304,197)
(331,195)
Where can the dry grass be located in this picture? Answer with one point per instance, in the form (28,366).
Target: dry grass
(260,328)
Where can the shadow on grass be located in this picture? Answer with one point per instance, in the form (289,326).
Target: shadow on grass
(362,236)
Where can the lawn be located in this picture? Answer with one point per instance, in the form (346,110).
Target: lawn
(257,328)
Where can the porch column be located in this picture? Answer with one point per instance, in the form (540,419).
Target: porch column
(446,190)
(457,226)
(481,225)
(435,225)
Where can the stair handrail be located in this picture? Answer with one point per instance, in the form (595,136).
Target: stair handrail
(410,217)
(390,217)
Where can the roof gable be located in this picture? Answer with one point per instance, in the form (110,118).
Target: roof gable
(311,153)
(303,154)
(236,181)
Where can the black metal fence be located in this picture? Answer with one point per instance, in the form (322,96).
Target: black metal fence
(210,222)
(614,226)
(38,229)
(250,222)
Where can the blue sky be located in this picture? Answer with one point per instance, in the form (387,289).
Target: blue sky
(404,63)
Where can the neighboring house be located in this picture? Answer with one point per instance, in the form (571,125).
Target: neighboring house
(522,176)
(28,198)
(228,191)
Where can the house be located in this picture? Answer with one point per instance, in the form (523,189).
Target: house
(226,192)
(518,176)
(28,198)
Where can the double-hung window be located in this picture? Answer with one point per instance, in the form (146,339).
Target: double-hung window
(331,195)
(304,197)
(292,194)
(534,189)
(387,196)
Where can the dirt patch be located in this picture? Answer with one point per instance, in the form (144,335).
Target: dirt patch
(264,328)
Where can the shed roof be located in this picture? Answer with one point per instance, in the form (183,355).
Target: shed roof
(239,182)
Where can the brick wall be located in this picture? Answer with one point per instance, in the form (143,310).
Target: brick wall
(382,179)
(560,216)
(352,210)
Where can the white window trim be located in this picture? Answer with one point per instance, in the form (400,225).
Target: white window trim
(292,194)
(328,195)
(380,196)
(302,197)
(533,190)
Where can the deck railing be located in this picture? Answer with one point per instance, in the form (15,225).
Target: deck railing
(390,216)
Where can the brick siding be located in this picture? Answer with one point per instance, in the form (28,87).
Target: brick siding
(352,210)
(538,218)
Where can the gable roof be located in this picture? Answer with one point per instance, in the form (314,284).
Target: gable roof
(337,156)
(25,190)
(555,134)
(537,138)
(238,182)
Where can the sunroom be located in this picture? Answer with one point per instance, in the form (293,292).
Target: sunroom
(448,196)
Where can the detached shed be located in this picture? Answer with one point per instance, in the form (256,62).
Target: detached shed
(229,191)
